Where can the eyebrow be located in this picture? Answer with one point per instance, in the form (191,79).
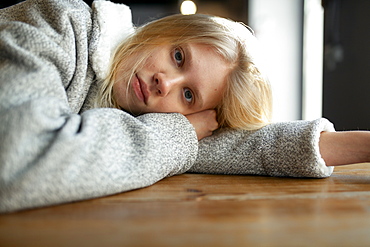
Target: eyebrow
(199,102)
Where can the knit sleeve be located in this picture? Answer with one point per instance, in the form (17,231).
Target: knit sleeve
(51,154)
(279,149)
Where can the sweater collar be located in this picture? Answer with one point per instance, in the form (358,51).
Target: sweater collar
(113,23)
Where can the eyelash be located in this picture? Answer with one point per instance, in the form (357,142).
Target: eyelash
(179,64)
(186,90)
(178,50)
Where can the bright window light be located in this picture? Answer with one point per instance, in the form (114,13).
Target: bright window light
(313,59)
(188,7)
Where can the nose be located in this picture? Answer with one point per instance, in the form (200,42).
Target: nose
(165,84)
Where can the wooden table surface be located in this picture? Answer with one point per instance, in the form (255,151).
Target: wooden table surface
(209,210)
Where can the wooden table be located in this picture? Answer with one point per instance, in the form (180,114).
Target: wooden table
(209,210)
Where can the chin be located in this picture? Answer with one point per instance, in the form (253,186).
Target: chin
(134,113)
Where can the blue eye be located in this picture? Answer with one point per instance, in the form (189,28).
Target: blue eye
(179,57)
(188,95)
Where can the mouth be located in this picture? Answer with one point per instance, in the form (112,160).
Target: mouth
(140,89)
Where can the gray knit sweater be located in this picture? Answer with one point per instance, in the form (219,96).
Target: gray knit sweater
(56,148)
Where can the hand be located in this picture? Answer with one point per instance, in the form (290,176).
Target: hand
(347,147)
(204,122)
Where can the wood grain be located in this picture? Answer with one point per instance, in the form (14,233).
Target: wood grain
(209,210)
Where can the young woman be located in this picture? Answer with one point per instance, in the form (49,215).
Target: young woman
(91,107)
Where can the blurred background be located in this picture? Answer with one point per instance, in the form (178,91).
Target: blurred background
(316,51)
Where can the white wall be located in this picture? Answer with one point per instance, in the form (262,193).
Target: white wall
(313,49)
(291,34)
(278,27)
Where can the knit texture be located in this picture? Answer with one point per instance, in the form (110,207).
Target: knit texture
(55,148)
(279,149)
(49,153)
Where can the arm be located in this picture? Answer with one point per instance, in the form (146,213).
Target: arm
(279,149)
(49,154)
(341,148)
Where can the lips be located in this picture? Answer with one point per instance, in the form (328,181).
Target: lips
(140,89)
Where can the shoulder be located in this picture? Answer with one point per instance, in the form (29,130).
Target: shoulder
(59,5)
(33,9)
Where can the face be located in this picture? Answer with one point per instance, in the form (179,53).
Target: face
(185,79)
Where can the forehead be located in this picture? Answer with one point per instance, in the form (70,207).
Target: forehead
(208,72)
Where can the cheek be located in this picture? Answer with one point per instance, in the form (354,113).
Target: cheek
(148,61)
(151,64)
(120,89)
(216,97)
(119,94)
(157,60)
(117,91)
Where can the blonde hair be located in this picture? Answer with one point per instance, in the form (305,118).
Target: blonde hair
(246,103)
